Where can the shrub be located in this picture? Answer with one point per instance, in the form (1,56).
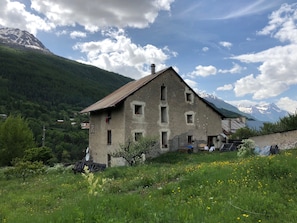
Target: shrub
(43,154)
(246,148)
(24,169)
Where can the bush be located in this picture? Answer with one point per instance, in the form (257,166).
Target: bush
(246,148)
(43,154)
(24,169)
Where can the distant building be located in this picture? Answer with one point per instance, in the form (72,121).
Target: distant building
(161,105)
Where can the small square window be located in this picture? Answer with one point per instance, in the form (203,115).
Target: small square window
(138,109)
(189,97)
(190,119)
(137,136)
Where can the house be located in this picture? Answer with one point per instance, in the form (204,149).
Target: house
(160,105)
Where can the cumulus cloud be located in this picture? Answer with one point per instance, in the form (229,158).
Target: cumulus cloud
(117,53)
(228,45)
(192,84)
(77,34)
(94,15)
(226,87)
(204,71)
(288,104)
(236,69)
(98,14)
(14,14)
(278,65)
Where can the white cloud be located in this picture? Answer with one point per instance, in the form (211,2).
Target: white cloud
(117,53)
(226,87)
(245,103)
(287,104)
(77,34)
(204,71)
(98,14)
(14,14)
(205,49)
(228,45)
(278,69)
(282,24)
(236,69)
(192,84)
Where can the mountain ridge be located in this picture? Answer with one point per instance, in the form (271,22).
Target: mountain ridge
(21,38)
(265,112)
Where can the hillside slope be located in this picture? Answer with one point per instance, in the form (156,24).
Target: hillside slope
(50,80)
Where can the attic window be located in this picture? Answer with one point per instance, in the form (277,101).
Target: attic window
(138,110)
(189,97)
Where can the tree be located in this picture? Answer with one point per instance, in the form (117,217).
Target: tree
(15,138)
(132,151)
(244,133)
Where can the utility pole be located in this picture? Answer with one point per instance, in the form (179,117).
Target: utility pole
(43,136)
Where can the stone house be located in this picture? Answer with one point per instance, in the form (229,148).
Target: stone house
(159,105)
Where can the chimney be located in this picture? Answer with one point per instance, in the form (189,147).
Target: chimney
(153,69)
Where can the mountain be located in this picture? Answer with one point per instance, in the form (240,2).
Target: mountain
(220,104)
(261,112)
(20,38)
(49,91)
(267,112)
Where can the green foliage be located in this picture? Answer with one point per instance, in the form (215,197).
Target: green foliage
(244,133)
(132,151)
(246,148)
(24,169)
(225,188)
(44,88)
(287,123)
(43,154)
(15,138)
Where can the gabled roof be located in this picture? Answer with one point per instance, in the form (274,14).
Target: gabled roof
(122,93)
(125,91)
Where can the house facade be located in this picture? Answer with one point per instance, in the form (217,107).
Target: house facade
(159,105)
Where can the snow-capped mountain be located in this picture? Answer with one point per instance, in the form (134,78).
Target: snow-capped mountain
(267,112)
(21,38)
(219,103)
(262,112)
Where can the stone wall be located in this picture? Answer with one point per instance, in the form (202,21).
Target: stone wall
(284,140)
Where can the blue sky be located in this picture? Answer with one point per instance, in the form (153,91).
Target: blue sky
(241,51)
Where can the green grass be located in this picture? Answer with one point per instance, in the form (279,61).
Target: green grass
(202,187)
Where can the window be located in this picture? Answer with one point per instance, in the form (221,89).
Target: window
(190,139)
(138,109)
(190,119)
(137,136)
(164,140)
(163,114)
(108,117)
(108,137)
(163,93)
(189,97)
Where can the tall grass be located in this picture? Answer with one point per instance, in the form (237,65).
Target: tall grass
(202,187)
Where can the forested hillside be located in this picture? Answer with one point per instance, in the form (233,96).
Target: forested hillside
(44,88)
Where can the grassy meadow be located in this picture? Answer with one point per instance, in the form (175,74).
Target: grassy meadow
(176,187)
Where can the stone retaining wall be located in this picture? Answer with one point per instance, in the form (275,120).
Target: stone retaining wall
(284,140)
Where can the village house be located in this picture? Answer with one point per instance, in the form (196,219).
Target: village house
(159,105)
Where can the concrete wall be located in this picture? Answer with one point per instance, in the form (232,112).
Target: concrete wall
(284,140)
(124,122)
